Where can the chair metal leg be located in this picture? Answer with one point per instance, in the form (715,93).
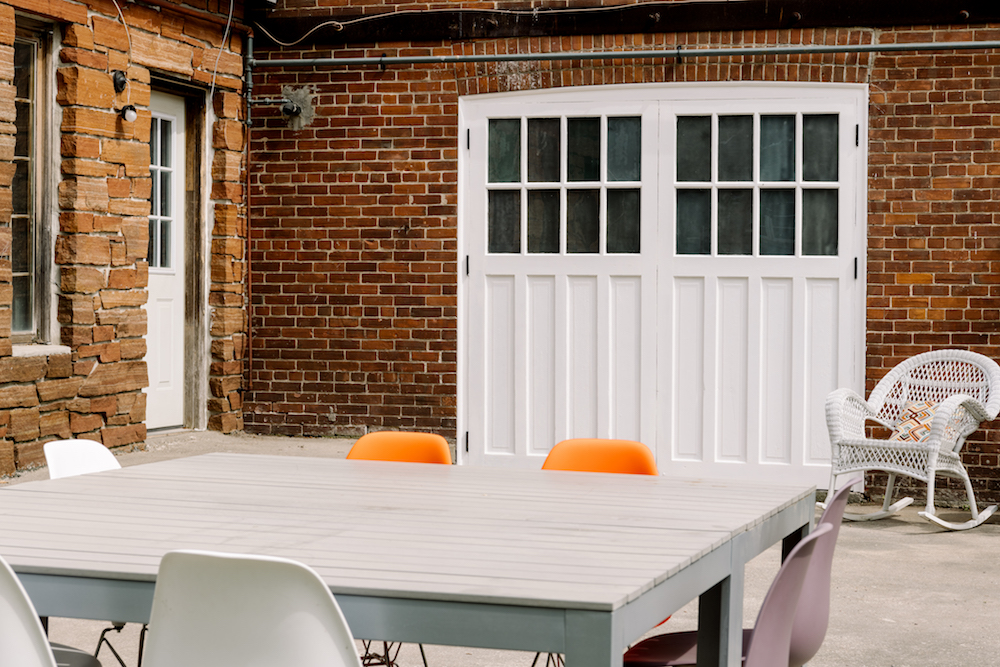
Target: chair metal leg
(977,517)
(117,627)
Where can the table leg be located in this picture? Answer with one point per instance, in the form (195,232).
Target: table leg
(793,538)
(720,623)
(591,640)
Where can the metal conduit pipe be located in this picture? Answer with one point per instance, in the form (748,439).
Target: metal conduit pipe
(639,54)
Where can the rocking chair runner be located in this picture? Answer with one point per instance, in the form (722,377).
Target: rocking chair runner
(932,402)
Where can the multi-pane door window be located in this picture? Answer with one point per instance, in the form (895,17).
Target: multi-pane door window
(564,185)
(23,188)
(757,184)
(161,218)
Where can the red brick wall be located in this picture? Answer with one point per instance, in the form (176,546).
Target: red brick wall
(338,204)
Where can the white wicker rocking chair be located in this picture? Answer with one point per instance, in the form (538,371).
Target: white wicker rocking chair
(932,402)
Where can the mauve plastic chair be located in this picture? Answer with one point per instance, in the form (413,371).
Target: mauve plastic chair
(601,455)
(680,649)
(215,609)
(66,458)
(22,638)
(407,447)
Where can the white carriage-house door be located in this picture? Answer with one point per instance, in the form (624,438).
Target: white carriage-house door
(676,264)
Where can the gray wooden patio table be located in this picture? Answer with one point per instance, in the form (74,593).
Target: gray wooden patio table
(575,563)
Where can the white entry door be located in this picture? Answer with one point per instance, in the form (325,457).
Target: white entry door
(716,336)
(165,307)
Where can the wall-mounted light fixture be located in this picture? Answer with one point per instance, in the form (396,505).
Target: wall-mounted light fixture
(128,113)
(289,108)
(119,79)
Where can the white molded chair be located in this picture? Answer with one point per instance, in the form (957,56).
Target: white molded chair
(66,458)
(22,638)
(932,402)
(231,610)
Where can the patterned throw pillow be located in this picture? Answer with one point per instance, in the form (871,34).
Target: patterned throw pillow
(914,421)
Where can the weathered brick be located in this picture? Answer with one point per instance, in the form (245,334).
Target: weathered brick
(53,390)
(115,378)
(83,193)
(84,87)
(54,423)
(81,279)
(123,435)
(24,424)
(83,249)
(18,396)
(226,321)
(23,369)
(85,423)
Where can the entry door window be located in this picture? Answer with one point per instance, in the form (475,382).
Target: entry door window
(564,185)
(161,219)
(757,184)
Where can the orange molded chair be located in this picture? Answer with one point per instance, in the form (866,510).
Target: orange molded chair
(601,455)
(406,446)
(598,455)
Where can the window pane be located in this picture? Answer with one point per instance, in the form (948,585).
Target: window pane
(777,222)
(165,143)
(543,221)
(154,197)
(694,148)
(504,221)
(543,150)
(735,222)
(22,125)
(819,222)
(735,148)
(819,147)
(504,150)
(777,148)
(20,251)
(583,150)
(694,222)
(24,65)
(20,188)
(165,246)
(583,221)
(623,221)
(624,149)
(21,305)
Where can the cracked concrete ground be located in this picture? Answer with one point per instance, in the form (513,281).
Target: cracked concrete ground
(905,592)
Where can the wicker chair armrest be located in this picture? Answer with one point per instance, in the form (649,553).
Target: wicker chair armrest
(954,419)
(846,414)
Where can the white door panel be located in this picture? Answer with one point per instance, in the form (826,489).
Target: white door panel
(165,332)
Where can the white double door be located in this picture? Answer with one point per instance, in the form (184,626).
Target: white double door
(165,307)
(715,329)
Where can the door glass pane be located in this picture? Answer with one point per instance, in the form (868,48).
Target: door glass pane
(694,222)
(543,150)
(819,222)
(623,221)
(735,148)
(165,245)
(543,221)
(152,253)
(504,221)
(24,65)
(777,148)
(735,222)
(504,163)
(154,140)
(583,221)
(165,193)
(694,148)
(166,129)
(624,149)
(777,222)
(819,147)
(583,149)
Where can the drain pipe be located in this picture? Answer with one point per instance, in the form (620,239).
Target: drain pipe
(248,78)
(678,53)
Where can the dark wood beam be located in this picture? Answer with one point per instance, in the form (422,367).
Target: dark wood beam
(641,17)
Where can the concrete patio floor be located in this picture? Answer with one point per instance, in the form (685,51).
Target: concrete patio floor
(905,592)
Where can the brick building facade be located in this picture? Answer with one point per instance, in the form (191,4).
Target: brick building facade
(355,222)
(75,193)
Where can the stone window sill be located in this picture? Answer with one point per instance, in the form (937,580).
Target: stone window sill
(39,350)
